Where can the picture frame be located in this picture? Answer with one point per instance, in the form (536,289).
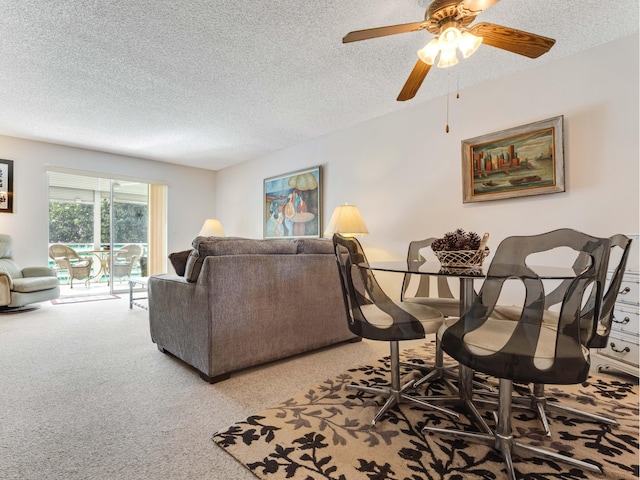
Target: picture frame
(293,204)
(6,186)
(517,162)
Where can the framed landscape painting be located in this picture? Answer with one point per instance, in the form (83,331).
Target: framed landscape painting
(521,161)
(292,204)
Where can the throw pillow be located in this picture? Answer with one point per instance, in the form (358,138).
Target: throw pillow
(179,261)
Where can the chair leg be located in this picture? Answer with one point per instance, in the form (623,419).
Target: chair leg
(539,399)
(440,371)
(539,403)
(536,400)
(502,440)
(443,372)
(395,393)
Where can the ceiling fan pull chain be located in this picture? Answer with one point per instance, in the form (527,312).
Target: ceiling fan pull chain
(458,87)
(448,91)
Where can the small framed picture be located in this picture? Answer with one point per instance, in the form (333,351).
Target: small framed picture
(520,161)
(6,186)
(292,204)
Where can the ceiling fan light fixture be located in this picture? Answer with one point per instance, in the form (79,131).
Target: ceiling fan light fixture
(429,52)
(469,43)
(448,58)
(450,36)
(449,22)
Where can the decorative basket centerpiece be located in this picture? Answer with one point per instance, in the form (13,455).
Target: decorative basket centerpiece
(461,249)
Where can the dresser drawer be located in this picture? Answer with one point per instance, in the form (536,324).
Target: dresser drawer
(625,319)
(623,348)
(628,291)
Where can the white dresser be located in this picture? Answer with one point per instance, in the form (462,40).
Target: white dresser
(622,352)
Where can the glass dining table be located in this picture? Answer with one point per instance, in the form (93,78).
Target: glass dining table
(102,267)
(467,276)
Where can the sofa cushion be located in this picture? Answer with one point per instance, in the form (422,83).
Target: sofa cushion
(34,284)
(247,246)
(201,247)
(214,246)
(314,245)
(179,261)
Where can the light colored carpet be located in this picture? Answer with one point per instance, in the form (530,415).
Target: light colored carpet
(324,432)
(83,298)
(85,394)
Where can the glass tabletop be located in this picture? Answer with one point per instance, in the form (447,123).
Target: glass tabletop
(436,268)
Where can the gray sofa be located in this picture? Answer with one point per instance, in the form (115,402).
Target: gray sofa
(245,302)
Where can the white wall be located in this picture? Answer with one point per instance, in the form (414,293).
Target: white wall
(404,172)
(191,195)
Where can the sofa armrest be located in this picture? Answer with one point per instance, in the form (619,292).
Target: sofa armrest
(6,284)
(38,272)
(179,318)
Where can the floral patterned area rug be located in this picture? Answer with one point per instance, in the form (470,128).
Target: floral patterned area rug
(324,433)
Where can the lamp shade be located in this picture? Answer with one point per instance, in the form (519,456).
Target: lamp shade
(211,228)
(469,43)
(448,58)
(346,220)
(429,52)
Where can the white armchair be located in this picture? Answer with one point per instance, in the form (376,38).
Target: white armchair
(23,286)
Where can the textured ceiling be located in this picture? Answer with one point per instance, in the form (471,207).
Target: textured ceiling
(211,83)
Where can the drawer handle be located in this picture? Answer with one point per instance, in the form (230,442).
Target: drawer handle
(625,290)
(623,322)
(624,350)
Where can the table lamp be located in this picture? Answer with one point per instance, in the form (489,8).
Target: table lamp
(346,220)
(211,228)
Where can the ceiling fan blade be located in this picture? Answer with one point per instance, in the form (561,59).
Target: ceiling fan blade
(516,41)
(477,6)
(412,85)
(358,35)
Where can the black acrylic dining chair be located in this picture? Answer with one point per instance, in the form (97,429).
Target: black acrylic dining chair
(425,289)
(373,315)
(435,292)
(527,350)
(595,334)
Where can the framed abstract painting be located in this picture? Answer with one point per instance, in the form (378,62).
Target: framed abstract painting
(292,204)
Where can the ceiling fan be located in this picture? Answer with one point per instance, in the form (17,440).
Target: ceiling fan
(448,21)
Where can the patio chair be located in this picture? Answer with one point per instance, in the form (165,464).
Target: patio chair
(66,258)
(124,260)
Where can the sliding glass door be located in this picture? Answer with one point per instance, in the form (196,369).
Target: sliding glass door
(105,220)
